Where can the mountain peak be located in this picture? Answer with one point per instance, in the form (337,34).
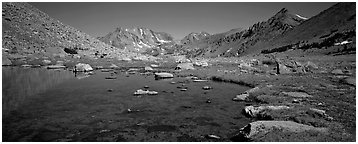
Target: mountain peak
(285,16)
(118,29)
(194,36)
(136,38)
(283,10)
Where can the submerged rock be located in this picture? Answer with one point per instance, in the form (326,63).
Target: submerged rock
(106,70)
(207,88)
(111,77)
(259,129)
(81,67)
(163,75)
(133,69)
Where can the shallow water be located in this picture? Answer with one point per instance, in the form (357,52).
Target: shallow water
(43,105)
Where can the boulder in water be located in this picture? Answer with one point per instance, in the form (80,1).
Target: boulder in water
(207,88)
(143,92)
(6,61)
(113,66)
(81,67)
(148,68)
(163,75)
(56,67)
(241,97)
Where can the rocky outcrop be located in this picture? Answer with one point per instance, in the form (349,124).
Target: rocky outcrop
(258,130)
(244,96)
(136,39)
(260,111)
(288,66)
(181,59)
(28,31)
(193,37)
(336,19)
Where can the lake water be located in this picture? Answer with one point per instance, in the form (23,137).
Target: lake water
(57,105)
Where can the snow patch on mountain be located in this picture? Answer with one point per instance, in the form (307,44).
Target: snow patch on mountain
(301,17)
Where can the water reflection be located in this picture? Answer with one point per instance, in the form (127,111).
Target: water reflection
(18,84)
(82,75)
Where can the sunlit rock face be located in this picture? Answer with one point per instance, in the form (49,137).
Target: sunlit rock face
(136,39)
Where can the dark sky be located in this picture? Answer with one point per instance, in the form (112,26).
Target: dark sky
(177,19)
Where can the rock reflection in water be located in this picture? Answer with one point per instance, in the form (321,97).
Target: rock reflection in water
(82,75)
(18,84)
